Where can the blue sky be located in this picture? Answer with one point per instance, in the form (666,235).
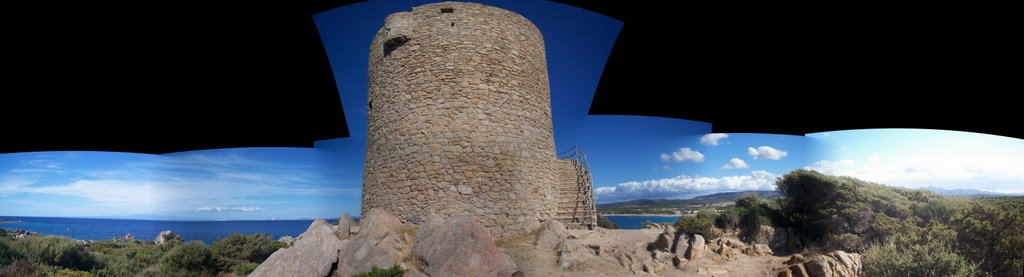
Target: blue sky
(631,157)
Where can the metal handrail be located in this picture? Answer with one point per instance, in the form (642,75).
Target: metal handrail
(584,187)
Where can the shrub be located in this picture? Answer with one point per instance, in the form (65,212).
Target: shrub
(603,222)
(729,219)
(19,268)
(240,249)
(393,271)
(8,255)
(118,265)
(244,269)
(71,273)
(190,259)
(55,251)
(702,224)
(906,257)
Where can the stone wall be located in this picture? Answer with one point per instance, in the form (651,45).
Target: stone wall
(459,118)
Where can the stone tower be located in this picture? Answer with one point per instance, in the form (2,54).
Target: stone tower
(459,118)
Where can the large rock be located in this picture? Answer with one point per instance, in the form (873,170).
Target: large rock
(662,243)
(834,264)
(762,235)
(681,245)
(758,250)
(551,234)
(379,243)
(345,226)
(727,253)
(459,247)
(313,254)
(166,236)
(573,256)
(697,247)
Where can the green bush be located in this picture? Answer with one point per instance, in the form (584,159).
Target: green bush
(118,265)
(603,222)
(992,233)
(8,255)
(19,268)
(240,249)
(56,251)
(702,224)
(71,273)
(189,259)
(729,218)
(244,269)
(909,257)
(393,271)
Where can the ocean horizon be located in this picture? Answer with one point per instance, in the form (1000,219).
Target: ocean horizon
(206,231)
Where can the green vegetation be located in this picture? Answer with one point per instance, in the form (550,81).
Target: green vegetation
(8,255)
(393,271)
(238,249)
(244,268)
(59,256)
(702,224)
(904,231)
(603,222)
(911,255)
(56,251)
(190,259)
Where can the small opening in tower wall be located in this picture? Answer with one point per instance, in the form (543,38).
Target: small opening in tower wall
(453,24)
(370,105)
(447,10)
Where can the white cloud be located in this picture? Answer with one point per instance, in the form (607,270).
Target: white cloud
(873,158)
(221,209)
(766,152)
(682,155)
(831,167)
(712,139)
(685,186)
(735,163)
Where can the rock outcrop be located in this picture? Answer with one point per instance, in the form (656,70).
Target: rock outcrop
(758,250)
(697,247)
(313,254)
(380,243)
(551,235)
(834,264)
(762,235)
(459,246)
(166,236)
(572,255)
(345,223)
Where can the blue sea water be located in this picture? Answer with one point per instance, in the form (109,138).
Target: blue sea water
(633,222)
(103,229)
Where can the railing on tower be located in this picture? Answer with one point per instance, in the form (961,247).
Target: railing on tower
(585,211)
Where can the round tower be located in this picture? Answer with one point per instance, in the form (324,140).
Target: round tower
(459,118)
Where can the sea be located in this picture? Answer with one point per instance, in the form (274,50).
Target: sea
(633,221)
(206,231)
(104,229)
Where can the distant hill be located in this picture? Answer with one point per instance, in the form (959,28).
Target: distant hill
(656,206)
(729,196)
(962,192)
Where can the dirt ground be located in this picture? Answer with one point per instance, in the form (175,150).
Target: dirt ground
(614,245)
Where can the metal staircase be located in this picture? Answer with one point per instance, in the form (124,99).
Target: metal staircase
(576,204)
